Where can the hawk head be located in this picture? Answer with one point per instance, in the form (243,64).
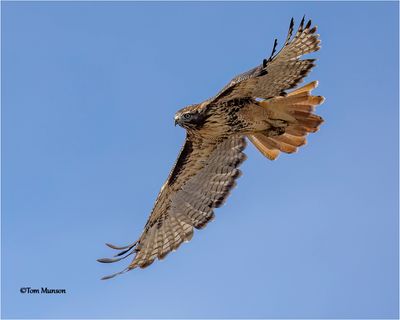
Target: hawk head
(191,117)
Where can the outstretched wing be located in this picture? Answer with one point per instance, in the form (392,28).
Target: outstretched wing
(200,181)
(278,73)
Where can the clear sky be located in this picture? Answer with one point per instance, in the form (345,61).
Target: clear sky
(89,91)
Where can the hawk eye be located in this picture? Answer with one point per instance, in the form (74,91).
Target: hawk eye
(187,116)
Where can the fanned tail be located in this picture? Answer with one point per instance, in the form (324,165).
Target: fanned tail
(297,106)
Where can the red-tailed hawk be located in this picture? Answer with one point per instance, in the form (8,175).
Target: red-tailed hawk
(255,105)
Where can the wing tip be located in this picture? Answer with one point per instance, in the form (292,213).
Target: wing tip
(115,274)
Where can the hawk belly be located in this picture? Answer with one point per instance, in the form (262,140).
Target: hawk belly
(243,116)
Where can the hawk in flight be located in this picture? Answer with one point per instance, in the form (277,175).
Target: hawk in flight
(256,105)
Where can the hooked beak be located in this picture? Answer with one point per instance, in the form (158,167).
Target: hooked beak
(176,121)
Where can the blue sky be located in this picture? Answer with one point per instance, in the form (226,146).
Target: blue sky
(89,91)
